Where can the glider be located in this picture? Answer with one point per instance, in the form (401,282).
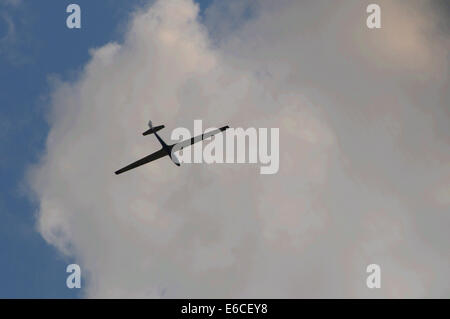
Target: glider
(167,150)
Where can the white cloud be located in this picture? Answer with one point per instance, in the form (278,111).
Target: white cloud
(363,128)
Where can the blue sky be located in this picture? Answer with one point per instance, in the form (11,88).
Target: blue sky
(39,46)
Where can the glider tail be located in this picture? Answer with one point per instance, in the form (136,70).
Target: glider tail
(152,129)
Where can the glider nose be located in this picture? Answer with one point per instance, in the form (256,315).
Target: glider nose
(175,160)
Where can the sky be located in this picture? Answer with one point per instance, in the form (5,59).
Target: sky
(364,149)
(34,48)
